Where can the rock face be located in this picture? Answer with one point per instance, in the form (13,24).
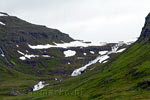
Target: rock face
(145,34)
(15,30)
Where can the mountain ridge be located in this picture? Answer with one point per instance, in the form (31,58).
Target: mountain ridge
(23,31)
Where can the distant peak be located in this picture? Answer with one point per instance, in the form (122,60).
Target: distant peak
(145,34)
(3,14)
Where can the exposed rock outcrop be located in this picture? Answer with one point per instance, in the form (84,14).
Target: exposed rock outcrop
(145,34)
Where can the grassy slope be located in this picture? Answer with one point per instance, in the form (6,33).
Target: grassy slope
(116,80)
(12,81)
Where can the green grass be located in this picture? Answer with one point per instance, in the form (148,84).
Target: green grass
(116,80)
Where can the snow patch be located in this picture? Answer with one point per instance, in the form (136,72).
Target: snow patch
(22,58)
(2,55)
(69,63)
(3,14)
(92,52)
(102,52)
(116,47)
(2,23)
(84,54)
(101,59)
(66,45)
(78,71)
(56,79)
(29,56)
(105,61)
(39,86)
(121,50)
(17,46)
(46,56)
(69,53)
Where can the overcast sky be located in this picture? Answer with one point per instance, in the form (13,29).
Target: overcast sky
(91,20)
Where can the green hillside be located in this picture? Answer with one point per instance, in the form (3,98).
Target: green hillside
(126,76)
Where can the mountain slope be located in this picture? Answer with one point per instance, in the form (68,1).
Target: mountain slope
(18,39)
(15,30)
(32,53)
(124,77)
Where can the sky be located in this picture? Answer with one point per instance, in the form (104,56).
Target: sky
(89,20)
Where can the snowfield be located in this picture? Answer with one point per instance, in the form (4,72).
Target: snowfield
(66,45)
(69,53)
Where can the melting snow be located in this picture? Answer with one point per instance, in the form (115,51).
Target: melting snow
(105,61)
(121,50)
(2,23)
(3,14)
(17,46)
(39,86)
(102,52)
(69,53)
(84,54)
(66,45)
(115,47)
(29,56)
(2,55)
(68,63)
(77,72)
(22,58)
(45,56)
(56,79)
(100,58)
(103,58)
(92,52)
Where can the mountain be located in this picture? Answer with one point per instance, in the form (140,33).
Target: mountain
(15,30)
(35,58)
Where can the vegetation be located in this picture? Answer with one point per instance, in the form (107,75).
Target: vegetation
(124,77)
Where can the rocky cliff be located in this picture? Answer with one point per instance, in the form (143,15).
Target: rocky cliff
(145,34)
